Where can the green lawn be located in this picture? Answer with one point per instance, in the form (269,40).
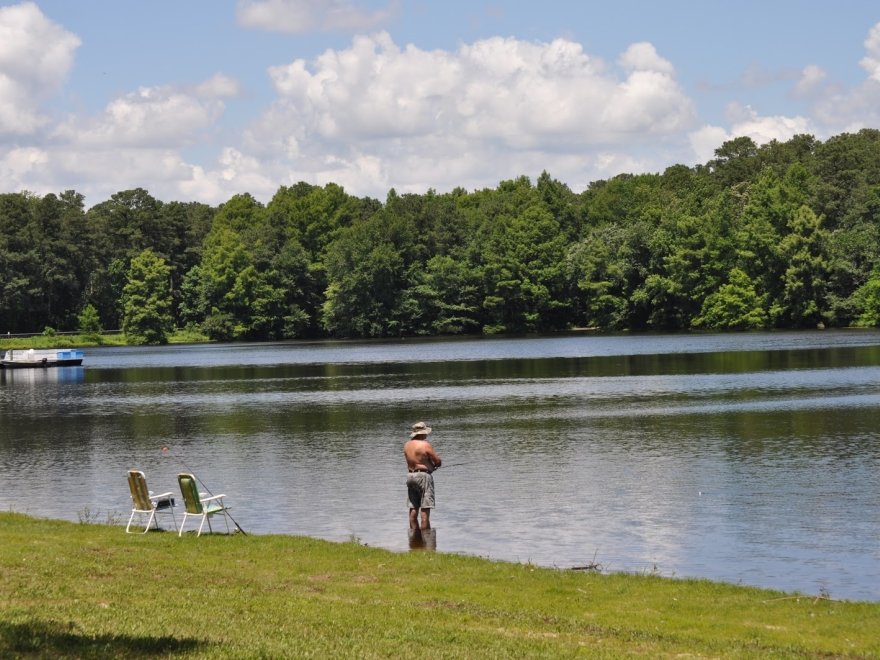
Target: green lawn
(85,341)
(85,590)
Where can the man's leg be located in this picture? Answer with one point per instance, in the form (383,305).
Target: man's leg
(427,502)
(414,499)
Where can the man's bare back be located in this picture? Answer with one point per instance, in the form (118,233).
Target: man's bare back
(420,455)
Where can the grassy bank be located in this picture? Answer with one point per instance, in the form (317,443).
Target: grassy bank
(88,340)
(93,591)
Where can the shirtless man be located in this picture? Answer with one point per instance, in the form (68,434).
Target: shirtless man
(421,461)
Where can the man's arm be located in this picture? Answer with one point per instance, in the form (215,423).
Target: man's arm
(435,458)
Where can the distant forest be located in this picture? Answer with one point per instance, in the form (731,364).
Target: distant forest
(785,235)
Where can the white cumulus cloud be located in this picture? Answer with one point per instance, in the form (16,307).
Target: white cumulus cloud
(151,117)
(811,79)
(399,115)
(762,129)
(22,166)
(871,61)
(520,93)
(705,140)
(746,122)
(218,86)
(300,16)
(35,58)
(859,107)
(643,56)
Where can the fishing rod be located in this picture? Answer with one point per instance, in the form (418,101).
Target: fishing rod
(165,450)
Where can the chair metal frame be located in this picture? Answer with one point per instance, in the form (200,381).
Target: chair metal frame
(145,503)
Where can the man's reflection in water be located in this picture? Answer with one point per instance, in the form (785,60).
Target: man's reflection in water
(423,539)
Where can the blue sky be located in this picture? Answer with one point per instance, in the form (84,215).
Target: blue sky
(204,99)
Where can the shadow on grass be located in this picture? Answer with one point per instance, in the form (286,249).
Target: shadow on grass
(51,639)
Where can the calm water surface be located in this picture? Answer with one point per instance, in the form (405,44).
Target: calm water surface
(750,458)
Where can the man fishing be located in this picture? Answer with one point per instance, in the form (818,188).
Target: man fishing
(421,461)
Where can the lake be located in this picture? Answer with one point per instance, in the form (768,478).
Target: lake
(747,458)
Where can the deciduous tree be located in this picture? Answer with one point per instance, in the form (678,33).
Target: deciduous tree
(147,300)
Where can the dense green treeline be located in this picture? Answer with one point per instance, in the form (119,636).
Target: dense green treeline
(779,236)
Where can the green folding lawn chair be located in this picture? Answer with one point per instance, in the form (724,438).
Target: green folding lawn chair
(201,505)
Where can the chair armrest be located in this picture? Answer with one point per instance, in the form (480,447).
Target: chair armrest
(163,501)
(214,497)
